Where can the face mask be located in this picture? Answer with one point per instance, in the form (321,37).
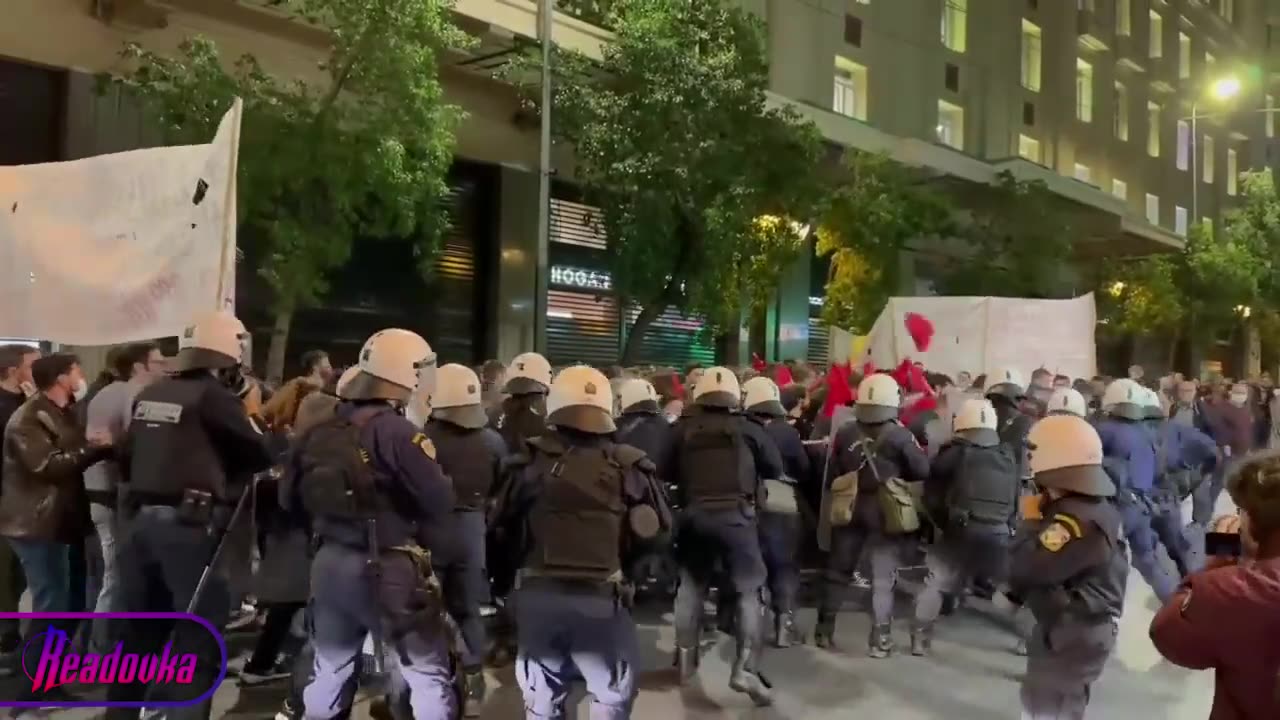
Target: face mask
(82,389)
(1238,400)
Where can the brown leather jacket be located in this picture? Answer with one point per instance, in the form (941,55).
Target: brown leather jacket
(45,454)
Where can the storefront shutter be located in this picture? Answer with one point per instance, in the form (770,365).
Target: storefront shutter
(582,328)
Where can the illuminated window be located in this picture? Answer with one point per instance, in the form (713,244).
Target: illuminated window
(1120,189)
(1030,56)
(1083,173)
(1184,145)
(1184,56)
(1232,171)
(1271,116)
(1153,129)
(1121,117)
(950,125)
(1153,209)
(850,89)
(1180,220)
(1029,148)
(1207,160)
(1124,17)
(954,15)
(1155,27)
(1084,91)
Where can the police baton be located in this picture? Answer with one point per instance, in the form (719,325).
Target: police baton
(374,564)
(220,548)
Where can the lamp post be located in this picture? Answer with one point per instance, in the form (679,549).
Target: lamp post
(546,14)
(1221,89)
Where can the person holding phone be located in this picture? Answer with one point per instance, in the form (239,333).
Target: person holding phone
(1228,617)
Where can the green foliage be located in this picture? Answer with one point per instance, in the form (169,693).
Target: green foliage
(674,141)
(879,207)
(364,151)
(1144,297)
(1018,243)
(595,12)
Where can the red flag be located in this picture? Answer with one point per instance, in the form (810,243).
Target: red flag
(677,387)
(920,330)
(783,377)
(839,393)
(758,363)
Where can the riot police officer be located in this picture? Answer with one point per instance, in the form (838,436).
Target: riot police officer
(574,509)
(189,434)
(1071,567)
(1068,401)
(972,493)
(471,455)
(1006,390)
(641,423)
(866,456)
(368,483)
(720,461)
(1182,452)
(521,415)
(780,516)
(1129,450)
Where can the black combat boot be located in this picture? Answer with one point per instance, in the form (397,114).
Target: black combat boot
(687,664)
(824,632)
(785,632)
(880,644)
(474,691)
(745,678)
(922,639)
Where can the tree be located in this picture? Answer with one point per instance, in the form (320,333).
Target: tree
(878,208)
(698,180)
(1018,242)
(364,152)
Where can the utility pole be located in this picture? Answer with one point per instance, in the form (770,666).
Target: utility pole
(546,12)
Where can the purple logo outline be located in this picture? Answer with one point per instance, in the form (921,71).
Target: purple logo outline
(222,648)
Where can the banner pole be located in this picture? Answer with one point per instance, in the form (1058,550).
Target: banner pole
(229,208)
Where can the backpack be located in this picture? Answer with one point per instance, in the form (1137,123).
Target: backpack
(714,460)
(334,478)
(985,489)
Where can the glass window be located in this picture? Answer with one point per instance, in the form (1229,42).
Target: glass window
(1184,56)
(1209,60)
(1124,17)
(1155,29)
(1180,220)
(1228,8)
(1120,189)
(1121,110)
(850,89)
(1207,163)
(1030,56)
(1083,174)
(1271,116)
(950,125)
(1153,209)
(1184,145)
(954,16)
(1029,148)
(1153,129)
(1233,171)
(1084,91)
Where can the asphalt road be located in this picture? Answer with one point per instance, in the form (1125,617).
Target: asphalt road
(972,675)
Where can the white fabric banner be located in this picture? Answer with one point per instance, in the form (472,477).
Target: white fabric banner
(119,248)
(982,334)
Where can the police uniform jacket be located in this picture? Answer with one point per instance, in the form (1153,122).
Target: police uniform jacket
(896,455)
(472,458)
(45,455)
(795,459)
(1072,562)
(764,460)
(1129,443)
(414,494)
(651,433)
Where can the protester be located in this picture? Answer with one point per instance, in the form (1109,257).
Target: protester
(280,411)
(43,509)
(15,385)
(1227,618)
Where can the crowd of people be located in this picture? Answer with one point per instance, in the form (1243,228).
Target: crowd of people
(383,507)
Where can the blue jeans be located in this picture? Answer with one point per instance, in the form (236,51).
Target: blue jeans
(47,566)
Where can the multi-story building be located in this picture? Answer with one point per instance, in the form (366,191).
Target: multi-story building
(1110,102)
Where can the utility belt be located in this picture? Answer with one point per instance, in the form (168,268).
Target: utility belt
(614,587)
(425,610)
(722,502)
(194,507)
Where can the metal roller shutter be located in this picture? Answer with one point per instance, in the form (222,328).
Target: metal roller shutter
(452,286)
(581,328)
(819,342)
(674,339)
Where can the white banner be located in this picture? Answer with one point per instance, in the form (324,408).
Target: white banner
(119,248)
(982,334)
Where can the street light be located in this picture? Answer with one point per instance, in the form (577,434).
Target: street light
(1221,89)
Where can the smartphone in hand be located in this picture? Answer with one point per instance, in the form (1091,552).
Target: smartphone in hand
(1220,544)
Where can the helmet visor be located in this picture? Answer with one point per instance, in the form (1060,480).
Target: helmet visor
(246,349)
(426,369)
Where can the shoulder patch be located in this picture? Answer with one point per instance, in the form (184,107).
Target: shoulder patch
(1070,523)
(1055,537)
(424,443)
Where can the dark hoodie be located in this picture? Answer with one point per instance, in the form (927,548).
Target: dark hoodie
(1228,619)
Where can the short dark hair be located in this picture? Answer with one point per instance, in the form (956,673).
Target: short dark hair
(1254,486)
(11,356)
(131,354)
(311,360)
(46,371)
(492,370)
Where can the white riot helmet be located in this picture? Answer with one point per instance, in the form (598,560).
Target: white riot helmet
(976,423)
(879,399)
(215,340)
(1065,453)
(1125,398)
(760,395)
(1151,405)
(718,387)
(1067,401)
(529,374)
(345,379)
(457,397)
(580,399)
(394,365)
(637,396)
(1007,383)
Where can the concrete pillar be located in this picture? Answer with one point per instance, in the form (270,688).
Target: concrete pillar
(1252,351)
(517,262)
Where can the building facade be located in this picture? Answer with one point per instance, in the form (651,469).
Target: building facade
(1094,97)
